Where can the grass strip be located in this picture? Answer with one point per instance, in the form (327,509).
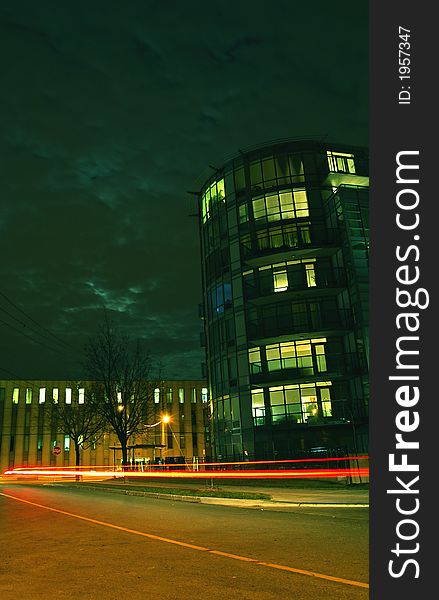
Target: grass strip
(202,492)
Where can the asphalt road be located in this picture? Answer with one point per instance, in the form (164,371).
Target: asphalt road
(92,545)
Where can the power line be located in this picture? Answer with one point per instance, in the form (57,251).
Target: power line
(30,337)
(24,325)
(16,378)
(55,337)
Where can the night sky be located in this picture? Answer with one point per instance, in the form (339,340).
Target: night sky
(110,112)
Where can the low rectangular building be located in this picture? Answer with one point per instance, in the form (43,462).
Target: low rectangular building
(29,439)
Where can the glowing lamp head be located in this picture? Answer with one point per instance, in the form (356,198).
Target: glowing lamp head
(166,419)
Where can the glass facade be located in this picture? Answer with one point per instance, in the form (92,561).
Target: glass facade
(284,249)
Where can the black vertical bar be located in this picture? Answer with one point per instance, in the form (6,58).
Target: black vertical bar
(403,127)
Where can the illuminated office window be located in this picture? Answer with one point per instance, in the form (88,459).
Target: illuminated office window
(214,194)
(310,275)
(297,355)
(340,162)
(42,396)
(254,359)
(81,395)
(55,395)
(157,396)
(68,395)
(15,395)
(258,406)
(289,204)
(280,279)
(181,395)
(325,396)
(28,395)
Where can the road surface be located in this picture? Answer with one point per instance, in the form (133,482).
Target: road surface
(92,545)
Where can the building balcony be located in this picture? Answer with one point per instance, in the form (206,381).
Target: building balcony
(325,367)
(315,324)
(321,282)
(287,245)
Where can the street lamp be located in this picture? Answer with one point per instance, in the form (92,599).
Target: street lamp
(164,420)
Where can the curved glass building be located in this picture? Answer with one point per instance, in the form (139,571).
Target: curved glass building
(284,248)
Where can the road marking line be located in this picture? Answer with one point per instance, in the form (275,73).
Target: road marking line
(118,527)
(313,574)
(193,546)
(235,556)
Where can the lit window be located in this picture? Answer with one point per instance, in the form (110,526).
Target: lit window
(55,395)
(68,395)
(259,208)
(28,395)
(304,357)
(221,191)
(258,406)
(157,396)
(288,355)
(320,358)
(340,162)
(308,398)
(310,275)
(254,358)
(119,397)
(297,355)
(273,357)
(214,194)
(280,279)
(81,395)
(272,204)
(204,395)
(181,395)
(205,207)
(325,396)
(193,395)
(301,203)
(286,205)
(66,443)
(169,395)
(42,396)
(15,395)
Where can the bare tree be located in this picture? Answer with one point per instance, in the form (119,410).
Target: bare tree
(122,392)
(79,420)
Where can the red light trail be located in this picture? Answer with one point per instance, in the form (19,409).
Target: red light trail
(207,470)
(238,473)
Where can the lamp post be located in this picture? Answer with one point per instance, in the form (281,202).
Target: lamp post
(164,420)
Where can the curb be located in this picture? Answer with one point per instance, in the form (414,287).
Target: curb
(236,502)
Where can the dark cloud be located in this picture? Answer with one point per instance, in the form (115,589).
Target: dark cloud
(109,113)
